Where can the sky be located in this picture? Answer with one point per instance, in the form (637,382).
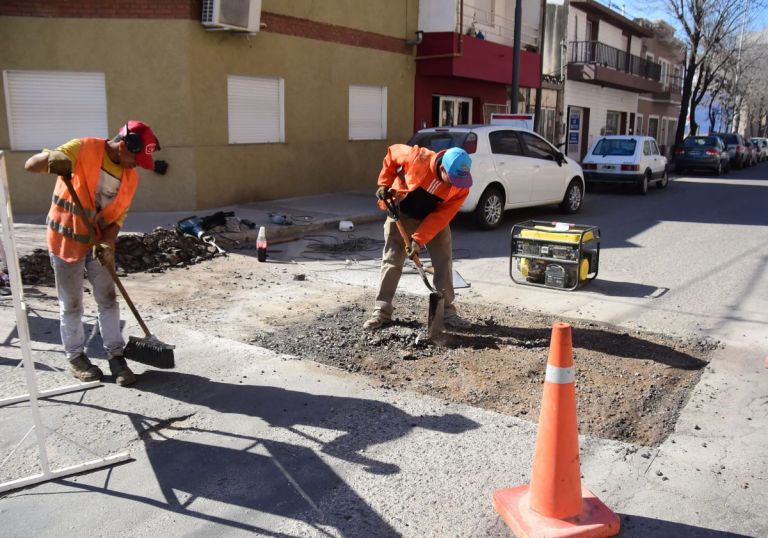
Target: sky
(655,9)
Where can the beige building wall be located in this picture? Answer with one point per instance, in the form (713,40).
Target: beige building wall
(172,73)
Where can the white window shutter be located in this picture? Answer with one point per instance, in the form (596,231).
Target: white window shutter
(49,108)
(255,110)
(367,112)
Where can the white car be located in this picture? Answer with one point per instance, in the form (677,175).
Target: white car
(626,159)
(511,168)
(762,145)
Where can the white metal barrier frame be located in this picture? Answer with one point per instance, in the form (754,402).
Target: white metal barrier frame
(14,273)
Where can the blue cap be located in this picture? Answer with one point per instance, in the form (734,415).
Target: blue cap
(457,163)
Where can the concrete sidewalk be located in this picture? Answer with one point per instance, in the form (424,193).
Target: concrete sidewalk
(308,213)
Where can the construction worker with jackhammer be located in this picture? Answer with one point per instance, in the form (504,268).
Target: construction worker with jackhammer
(102,173)
(431,187)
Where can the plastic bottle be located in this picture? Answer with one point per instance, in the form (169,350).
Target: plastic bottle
(261,245)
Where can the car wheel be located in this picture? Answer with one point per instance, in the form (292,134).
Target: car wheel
(490,209)
(573,197)
(663,182)
(642,185)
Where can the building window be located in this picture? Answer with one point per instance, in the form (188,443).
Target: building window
(612,123)
(639,125)
(450,111)
(664,72)
(256,110)
(47,108)
(653,126)
(367,112)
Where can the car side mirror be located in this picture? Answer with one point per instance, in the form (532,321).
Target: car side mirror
(560,158)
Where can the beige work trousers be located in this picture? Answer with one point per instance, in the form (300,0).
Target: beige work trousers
(440,251)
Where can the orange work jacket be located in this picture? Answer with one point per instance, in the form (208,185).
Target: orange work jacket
(68,236)
(419,169)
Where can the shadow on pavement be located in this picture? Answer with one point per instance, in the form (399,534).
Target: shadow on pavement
(267,476)
(620,344)
(365,422)
(643,527)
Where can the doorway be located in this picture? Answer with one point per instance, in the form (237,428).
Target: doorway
(448,111)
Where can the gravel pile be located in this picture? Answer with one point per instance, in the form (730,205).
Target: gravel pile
(154,252)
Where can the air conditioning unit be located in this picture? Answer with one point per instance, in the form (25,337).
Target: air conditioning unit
(235,15)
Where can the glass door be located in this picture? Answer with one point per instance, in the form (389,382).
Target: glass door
(455,111)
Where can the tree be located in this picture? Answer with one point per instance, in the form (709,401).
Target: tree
(704,24)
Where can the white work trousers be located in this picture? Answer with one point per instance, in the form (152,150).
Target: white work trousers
(69,288)
(440,251)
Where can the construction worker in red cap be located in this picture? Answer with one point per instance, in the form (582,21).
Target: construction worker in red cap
(103,175)
(431,187)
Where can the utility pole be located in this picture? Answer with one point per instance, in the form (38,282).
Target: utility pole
(516,56)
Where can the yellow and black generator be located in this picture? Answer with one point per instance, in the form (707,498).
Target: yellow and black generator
(554,254)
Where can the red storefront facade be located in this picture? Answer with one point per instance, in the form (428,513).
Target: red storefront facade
(451,65)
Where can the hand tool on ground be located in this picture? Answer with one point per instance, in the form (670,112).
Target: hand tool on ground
(436,299)
(148,350)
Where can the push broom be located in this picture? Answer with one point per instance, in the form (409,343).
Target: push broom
(148,350)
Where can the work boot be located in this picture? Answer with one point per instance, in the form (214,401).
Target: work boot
(82,369)
(120,371)
(376,321)
(456,322)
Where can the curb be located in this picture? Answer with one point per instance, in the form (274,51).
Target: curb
(278,233)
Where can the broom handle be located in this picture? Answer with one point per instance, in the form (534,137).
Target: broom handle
(110,267)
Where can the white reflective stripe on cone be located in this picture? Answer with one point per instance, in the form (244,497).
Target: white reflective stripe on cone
(561,376)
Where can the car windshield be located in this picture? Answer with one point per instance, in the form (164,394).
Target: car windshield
(703,141)
(615,146)
(439,140)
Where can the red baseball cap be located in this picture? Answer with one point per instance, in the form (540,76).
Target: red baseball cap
(140,140)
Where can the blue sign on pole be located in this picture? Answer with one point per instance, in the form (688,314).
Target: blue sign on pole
(574,122)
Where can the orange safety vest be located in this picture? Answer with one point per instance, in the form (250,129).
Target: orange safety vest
(420,170)
(68,236)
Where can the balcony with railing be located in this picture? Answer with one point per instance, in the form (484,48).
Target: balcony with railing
(597,63)
(671,89)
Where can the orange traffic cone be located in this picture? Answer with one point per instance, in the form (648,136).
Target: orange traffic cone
(555,503)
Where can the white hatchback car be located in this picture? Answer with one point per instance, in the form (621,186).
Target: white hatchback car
(626,159)
(511,168)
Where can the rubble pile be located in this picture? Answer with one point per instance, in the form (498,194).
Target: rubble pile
(154,252)
(160,250)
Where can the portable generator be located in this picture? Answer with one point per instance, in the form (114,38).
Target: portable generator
(554,254)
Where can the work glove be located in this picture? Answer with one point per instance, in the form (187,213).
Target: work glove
(382,193)
(412,249)
(104,253)
(59,164)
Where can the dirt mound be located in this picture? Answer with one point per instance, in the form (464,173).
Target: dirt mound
(630,387)
(154,252)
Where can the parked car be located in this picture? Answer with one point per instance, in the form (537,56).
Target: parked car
(702,152)
(626,159)
(737,148)
(511,168)
(762,144)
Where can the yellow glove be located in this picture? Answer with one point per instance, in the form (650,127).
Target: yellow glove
(412,249)
(104,253)
(59,164)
